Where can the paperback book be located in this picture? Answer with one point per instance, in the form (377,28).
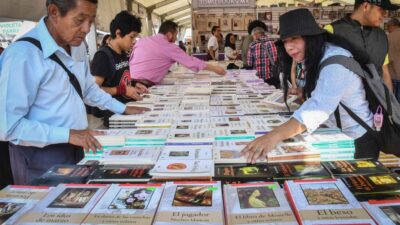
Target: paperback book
(131,155)
(257,203)
(16,200)
(325,201)
(65,204)
(187,203)
(239,173)
(186,153)
(355,167)
(126,204)
(183,169)
(128,174)
(298,170)
(383,212)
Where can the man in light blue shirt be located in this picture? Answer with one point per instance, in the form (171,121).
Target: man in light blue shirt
(41,113)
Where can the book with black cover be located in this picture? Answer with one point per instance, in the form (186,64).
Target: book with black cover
(375,186)
(238,173)
(58,174)
(128,174)
(355,167)
(297,170)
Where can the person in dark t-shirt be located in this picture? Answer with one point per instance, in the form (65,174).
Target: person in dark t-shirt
(110,65)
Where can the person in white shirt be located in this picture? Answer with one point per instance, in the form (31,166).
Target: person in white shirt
(230,47)
(212,45)
(324,89)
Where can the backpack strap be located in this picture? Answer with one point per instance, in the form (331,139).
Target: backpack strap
(352,65)
(72,78)
(348,62)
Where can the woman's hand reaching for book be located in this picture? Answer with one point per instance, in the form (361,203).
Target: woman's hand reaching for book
(259,148)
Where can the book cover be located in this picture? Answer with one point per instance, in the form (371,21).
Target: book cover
(133,173)
(325,201)
(384,212)
(293,152)
(183,168)
(187,203)
(297,170)
(64,174)
(65,204)
(355,167)
(127,204)
(231,155)
(131,155)
(16,200)
(242,172)
(186,153)
(373,183)
(258,203)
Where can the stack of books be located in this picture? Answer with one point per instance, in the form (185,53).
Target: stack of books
(333,145)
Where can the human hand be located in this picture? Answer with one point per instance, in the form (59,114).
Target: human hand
(133,93)
(85,139)
(219,70)
(259,148)
(141,88)
(135,110)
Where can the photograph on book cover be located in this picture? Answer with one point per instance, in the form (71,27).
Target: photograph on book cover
(229,154)
(63,171)
(257,197)
(177,166)
(131,198)
(119,152)
(295,148)
(365,164)
(179,153)
(73,198)
(323,194)
(305,168)
(144,132)
(238,132)
(393,212)
(8,209)
(198,195)
(383,180)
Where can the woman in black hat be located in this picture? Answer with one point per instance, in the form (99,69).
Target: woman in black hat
(304,41)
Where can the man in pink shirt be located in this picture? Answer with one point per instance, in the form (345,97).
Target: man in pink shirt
(153,56)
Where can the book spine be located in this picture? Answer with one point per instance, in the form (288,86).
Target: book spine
(291,201)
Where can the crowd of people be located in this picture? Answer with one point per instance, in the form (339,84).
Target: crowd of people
(48,86)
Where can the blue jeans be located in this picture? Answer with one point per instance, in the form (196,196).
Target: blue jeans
(396,89)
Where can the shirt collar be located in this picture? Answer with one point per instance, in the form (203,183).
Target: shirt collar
(49,45)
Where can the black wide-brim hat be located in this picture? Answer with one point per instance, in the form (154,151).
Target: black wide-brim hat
(298,22)
(384,4)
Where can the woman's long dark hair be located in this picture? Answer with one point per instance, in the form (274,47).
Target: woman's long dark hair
(314,51)
(228,42)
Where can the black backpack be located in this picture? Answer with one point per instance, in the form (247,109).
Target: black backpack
(377,94)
